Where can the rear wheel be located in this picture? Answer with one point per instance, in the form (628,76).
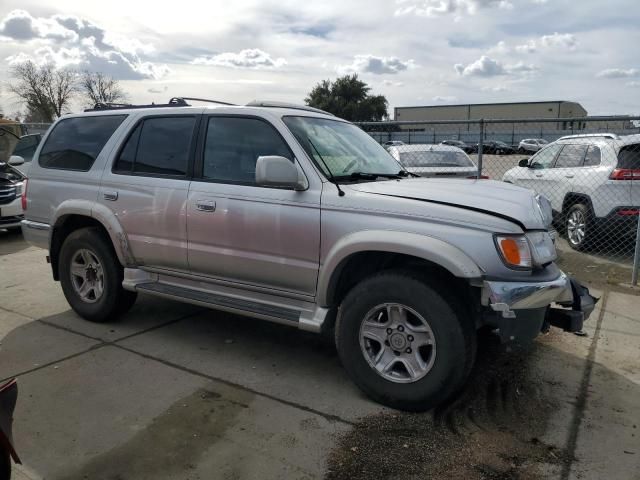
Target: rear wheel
(402,342)
(579,226)
(91,276)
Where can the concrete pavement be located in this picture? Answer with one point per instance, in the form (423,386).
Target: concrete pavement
(175,392)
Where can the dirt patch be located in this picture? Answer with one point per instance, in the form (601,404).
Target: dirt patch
(491,431)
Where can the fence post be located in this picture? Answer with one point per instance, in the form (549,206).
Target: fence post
(480,144)
(636,256)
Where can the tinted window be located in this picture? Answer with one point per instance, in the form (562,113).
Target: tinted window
(26,147)
(629,157)
(571,156)
(75,143)
(593,157)
(545,157)
(127,156)
(158,146)
(233,146)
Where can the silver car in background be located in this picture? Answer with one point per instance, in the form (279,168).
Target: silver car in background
(531,145)
(435,160)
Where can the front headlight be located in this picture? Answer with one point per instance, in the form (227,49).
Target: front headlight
(542,247)
(18,189)
(544,206)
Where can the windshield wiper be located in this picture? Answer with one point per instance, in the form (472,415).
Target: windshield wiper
(369,176)
(332,177)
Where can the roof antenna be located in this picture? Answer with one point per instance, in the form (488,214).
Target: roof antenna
(331,177)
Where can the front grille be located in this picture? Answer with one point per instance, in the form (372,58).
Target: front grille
(7,194)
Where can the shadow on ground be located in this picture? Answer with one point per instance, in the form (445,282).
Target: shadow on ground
(11,241)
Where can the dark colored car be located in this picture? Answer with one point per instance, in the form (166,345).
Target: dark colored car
(467,148)
(493,147)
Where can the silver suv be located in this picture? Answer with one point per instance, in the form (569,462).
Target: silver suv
(291,215)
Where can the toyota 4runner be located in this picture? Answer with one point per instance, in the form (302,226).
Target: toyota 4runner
(288,214)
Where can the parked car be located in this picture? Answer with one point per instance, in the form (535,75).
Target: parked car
(392,143)
(531,145)
(467,148)
(435,161)
(25,149)
(11,184)
(494,147)
(288,214)
(592,182)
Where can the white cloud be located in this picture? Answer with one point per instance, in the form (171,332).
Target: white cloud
(390,83)
(563,40)
(433,8)
(69,41)
(483,67)
(556,40)
(158,89)
(633,84)
(444,98)
(248,58)
(488,67)
(618,73)
(376,65)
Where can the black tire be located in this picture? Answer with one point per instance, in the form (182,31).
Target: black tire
(453,332)
(520,150)
(114,300)
(579,210)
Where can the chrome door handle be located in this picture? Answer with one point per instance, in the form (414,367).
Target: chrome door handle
(569,176)
(110,196)
(206,206)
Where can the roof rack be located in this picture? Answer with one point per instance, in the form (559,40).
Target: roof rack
(612,136)
(173,102)
(294,106)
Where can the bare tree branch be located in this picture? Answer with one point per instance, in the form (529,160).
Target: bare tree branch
(100,88)
(47,91)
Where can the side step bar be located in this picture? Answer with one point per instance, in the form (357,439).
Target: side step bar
(219,302)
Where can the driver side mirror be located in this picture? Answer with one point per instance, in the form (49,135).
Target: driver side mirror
(523,162)
(280,172)
(15,160)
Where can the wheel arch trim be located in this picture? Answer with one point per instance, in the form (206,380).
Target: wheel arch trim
(437,251)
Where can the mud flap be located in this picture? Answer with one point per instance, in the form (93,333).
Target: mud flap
(581,308)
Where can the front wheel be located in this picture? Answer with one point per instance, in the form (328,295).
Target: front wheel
(91,276)
(403,343)
(579,226)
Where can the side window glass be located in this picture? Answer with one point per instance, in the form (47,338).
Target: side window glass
(158,146)
(75,143)
(233,145)
(124,163)
(571,156)
(545,157)
(593,157)
(164,146)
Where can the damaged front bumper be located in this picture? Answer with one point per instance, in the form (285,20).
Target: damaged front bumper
(520,310)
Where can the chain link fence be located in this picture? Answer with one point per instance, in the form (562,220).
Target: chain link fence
(588,168)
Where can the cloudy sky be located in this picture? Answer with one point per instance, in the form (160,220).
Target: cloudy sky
(416,52)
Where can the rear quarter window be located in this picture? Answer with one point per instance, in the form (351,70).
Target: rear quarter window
(75,143)
(629,157)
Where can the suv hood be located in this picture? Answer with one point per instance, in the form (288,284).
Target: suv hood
(500,199)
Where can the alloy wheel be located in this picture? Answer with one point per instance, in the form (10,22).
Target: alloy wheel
(87,275)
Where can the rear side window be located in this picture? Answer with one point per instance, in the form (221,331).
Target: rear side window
(571,156)
(158,146)
(75,143)
(629,157)
(593,157)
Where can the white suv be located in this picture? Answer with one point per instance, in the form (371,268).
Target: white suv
(593,183)
(531,145)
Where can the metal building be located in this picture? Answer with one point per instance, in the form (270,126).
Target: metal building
(551,109)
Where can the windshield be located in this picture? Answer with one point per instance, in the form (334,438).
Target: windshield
(344,148)
(428,158)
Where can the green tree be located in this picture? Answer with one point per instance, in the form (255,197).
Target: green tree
(348,97)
